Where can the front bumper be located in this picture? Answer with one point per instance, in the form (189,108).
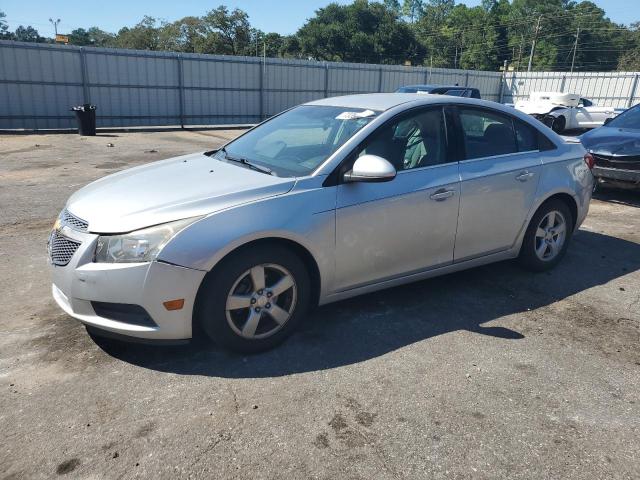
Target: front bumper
(617,174)
(148,285)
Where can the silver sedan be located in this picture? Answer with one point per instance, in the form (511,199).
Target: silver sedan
(327,200)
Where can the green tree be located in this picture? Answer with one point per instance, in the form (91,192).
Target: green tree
(359,32)
(291,47)
(412,9)
(28,34)
(184,35)
(226,32)
(100,38)
(5,34)
(80,36)
(629,61)
(394,6)
(437,34)
(143,36)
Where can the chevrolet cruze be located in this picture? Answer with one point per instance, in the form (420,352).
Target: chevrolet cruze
(327,200)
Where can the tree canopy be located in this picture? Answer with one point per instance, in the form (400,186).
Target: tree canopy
(441,33)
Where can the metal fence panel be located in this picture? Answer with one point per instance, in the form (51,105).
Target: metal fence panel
(39,83)
(348,78)
(615,89)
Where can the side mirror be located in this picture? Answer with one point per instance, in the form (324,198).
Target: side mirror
(607,120)
(370,168)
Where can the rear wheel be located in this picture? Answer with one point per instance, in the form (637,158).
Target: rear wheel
(547,236)
(254,299)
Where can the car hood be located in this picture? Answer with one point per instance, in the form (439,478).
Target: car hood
(612,142)
(173,189)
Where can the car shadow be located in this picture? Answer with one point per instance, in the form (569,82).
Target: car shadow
(372,325)
(630,198)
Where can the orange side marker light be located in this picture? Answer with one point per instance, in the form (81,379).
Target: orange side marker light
(176,304)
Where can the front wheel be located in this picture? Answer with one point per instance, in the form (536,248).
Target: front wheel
(547,237)
(559,124)
(254,299)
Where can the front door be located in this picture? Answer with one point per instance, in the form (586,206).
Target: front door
(387,230)
(588,115)
(499,178)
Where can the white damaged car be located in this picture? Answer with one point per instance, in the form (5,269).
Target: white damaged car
(566,111)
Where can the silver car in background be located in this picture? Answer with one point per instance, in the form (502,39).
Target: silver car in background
(328,200)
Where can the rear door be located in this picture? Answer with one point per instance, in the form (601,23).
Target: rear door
(499,177)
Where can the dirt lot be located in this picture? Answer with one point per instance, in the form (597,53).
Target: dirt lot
(489,373)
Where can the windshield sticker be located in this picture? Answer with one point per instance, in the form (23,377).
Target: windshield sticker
(355,115)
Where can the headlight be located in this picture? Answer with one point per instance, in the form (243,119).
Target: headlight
(139,246)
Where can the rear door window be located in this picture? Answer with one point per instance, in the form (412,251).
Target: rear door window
(526,136)
(486,133)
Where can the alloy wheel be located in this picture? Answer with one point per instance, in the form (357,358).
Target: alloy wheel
(550,236)
(261,301)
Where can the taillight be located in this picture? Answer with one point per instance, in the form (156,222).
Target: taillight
(589,160)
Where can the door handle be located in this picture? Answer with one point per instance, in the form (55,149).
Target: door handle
(442,194)
(524,176)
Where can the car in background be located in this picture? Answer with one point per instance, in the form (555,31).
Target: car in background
(565,111)
(616,150)
(328,200)
(455,90)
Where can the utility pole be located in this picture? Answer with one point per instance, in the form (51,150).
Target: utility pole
(520,49)
(264,58)
(55,25)
(430,68)
(533,44)
(575,48)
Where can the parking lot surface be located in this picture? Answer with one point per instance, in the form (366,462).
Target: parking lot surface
(489,373)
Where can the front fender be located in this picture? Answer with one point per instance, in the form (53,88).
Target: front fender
(306,215)
(558,111)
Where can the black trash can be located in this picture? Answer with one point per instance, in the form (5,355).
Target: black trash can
(86,117)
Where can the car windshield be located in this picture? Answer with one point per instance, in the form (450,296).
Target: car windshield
(629,120)
(296,142)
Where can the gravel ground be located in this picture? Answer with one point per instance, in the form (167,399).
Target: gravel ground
(489,373)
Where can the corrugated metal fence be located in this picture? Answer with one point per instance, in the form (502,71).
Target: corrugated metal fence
(39,83)
(616,89)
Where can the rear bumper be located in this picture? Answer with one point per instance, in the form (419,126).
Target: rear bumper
(619,175)
(76,285)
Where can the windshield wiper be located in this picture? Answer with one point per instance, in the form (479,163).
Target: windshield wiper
(246,162)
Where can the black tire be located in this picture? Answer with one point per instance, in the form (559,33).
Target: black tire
(559,124)
(528,257)
(211,314)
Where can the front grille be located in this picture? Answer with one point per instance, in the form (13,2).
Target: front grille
(61,249)
(67,218)
(621,162)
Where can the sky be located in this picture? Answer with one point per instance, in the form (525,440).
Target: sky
(281,16)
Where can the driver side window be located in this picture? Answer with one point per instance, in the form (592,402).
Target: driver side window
(413,141)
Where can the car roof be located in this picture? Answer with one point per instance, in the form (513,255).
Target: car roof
(385,101)
(431,87)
